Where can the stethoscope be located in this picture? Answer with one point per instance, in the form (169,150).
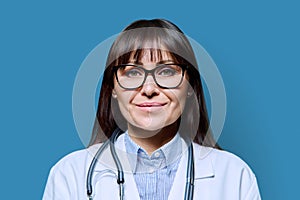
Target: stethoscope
(189,187)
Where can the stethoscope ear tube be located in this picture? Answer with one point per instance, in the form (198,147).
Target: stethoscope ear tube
(120,179)
(189,188)
(89,187)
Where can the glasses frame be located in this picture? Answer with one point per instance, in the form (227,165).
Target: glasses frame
(147,72)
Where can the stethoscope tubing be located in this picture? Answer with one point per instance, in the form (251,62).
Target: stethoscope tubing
(89,188)
(189,188)
(120,179)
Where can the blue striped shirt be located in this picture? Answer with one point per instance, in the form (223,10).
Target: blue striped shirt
(154,174)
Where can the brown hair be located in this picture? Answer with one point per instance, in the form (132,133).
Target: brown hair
(156,36)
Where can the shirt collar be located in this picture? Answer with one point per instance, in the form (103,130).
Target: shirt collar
(203,157)
(170,152)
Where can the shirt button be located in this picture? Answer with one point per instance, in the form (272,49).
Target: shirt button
(151,170)
(156,154)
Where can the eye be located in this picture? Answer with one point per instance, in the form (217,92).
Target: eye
(170,70)
(133,73)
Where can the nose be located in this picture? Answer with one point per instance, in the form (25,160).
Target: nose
(150,88)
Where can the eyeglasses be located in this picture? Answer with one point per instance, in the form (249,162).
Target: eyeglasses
(132,76)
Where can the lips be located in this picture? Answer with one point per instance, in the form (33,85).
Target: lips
(151,104)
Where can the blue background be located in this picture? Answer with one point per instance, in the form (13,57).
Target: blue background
(255,45)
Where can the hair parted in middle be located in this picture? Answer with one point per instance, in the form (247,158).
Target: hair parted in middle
(154,37)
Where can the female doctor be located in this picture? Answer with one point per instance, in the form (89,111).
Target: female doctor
(151,138)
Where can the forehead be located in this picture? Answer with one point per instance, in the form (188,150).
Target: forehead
(150,56)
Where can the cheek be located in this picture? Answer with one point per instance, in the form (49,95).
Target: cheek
(178,110)
(123,100)
(179,99)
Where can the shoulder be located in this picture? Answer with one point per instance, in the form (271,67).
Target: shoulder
(75,160)
(227,171)
(224,164)
(220,157)
(67,177)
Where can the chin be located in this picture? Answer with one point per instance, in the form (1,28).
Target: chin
(152,124)
(149,125)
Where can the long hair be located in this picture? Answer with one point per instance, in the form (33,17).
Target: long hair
(155,36)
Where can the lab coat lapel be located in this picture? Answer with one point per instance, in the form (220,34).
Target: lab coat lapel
(130,188)
(203,163)
(106,162)
(203,169)
(178,187)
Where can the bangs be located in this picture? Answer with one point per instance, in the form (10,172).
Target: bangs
(151,55)
(156,44)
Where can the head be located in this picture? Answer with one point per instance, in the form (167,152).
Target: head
(151,44)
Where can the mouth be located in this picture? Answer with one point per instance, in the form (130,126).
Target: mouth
(150,106)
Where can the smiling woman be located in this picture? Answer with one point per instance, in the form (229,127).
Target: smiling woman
(151,99)
(152,114)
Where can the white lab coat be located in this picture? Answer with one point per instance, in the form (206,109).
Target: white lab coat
(219,175)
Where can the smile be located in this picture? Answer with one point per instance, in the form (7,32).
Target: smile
(150,106)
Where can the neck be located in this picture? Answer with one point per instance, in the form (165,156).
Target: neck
(152,140)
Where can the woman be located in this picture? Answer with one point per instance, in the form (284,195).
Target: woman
(152,109)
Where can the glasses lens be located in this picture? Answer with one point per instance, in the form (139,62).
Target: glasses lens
(168,75)
(130,76)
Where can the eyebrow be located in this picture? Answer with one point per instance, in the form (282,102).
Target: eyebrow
(160,62)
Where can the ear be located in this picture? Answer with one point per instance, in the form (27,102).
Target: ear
(114,94)
(190,91)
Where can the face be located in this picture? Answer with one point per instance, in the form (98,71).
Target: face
(150,107)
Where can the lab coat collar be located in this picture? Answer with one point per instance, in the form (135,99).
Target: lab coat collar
(202,162)
(203,169)
(106,162)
